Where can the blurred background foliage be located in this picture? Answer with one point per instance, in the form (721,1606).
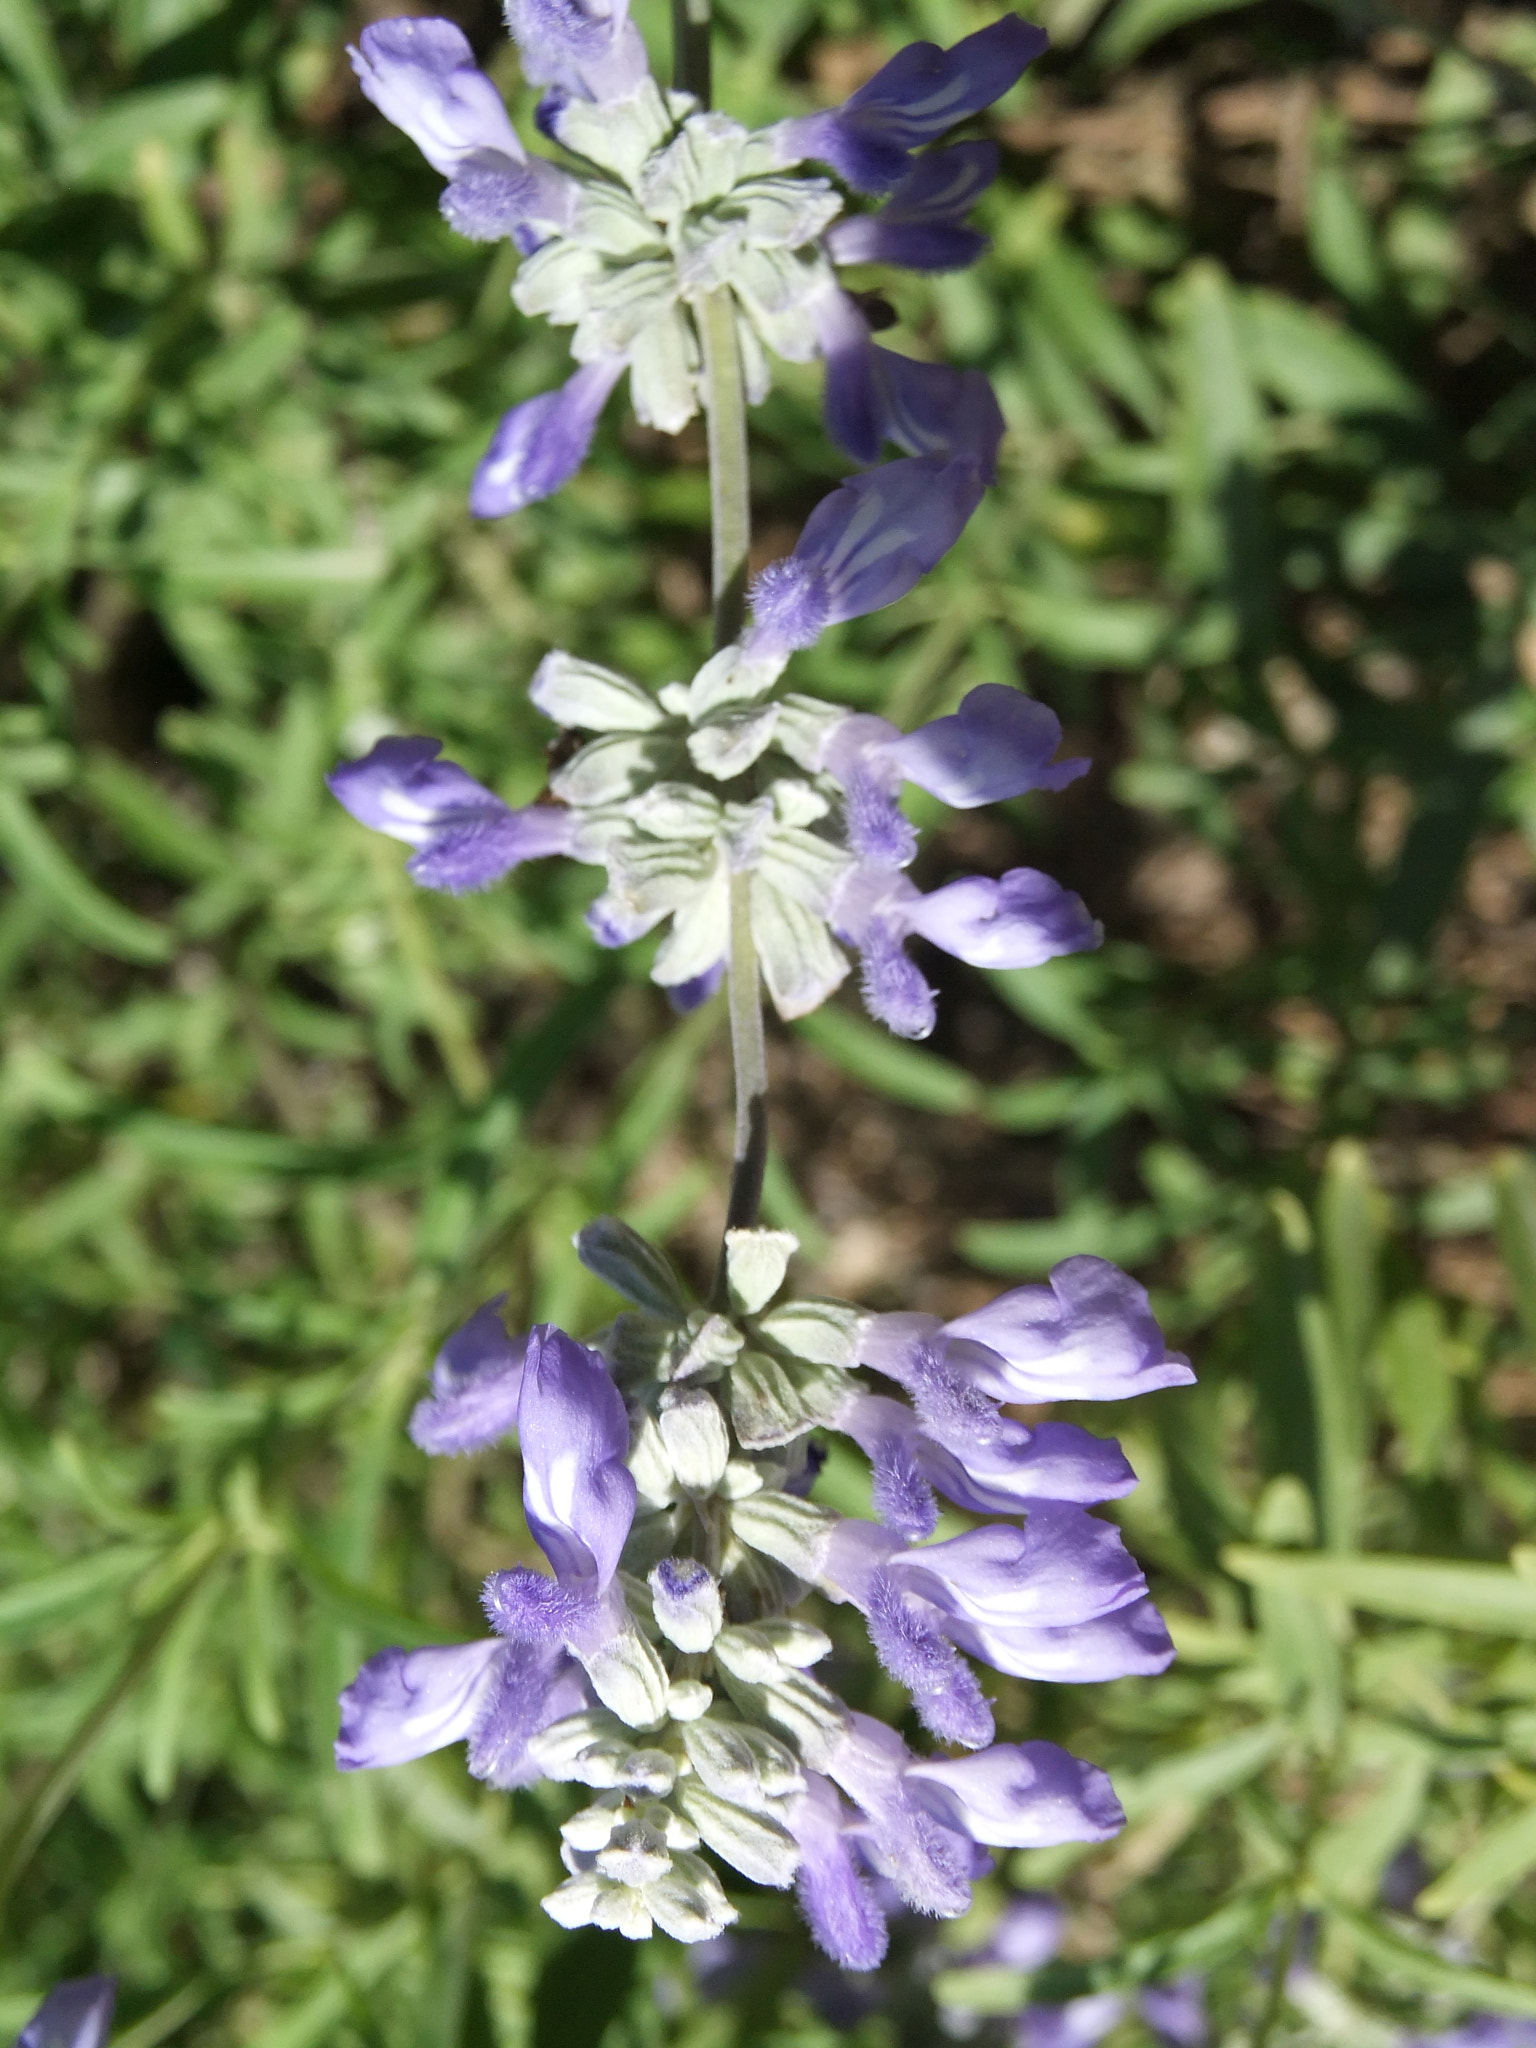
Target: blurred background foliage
(1262,317)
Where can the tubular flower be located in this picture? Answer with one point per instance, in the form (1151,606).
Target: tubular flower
(663,202)
(661,1664)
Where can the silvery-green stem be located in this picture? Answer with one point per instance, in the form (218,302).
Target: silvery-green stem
(730,532)
(730,504)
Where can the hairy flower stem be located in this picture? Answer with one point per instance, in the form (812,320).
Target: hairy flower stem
(730,530)
(730,504)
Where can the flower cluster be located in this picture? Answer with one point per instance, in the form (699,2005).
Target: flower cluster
(729,775)
(662,203)
(667,1469)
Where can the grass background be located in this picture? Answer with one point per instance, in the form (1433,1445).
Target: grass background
(1261,315)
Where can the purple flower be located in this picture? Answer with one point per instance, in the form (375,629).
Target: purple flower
(922,224)
(837,1900)
(75,2014)
(578,1493)
(407,1703)
(593,52)
(1025,1934)
(873,395)
(1087,1335)
(949,1701)
(999,1471)
(928,1861)
(421,75)
(1064,1566)
(864,546)
(541,443)
(687,996)
(466,837)
(495,1696)
(997,745)
(914,99)
(1080,2023)
(1021,1795)
(579,1500)
(1019,921)
(476,1380)
(1061,1600)
(1176,2014)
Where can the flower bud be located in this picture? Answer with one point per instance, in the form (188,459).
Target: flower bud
(629,1677)
(687,1698)
(649,1770)
(592,1828)
(687,1603)
(562,1750)
(755,1265)
(753,1843)
(637,1855)
(792,1532)
(688,1903)
(696,1438)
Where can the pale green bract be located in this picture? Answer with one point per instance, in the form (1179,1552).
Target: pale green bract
(677,203)
(663,803)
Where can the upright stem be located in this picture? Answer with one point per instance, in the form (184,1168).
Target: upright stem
(750,1058)
(690,48)
(730,532)
(730,502)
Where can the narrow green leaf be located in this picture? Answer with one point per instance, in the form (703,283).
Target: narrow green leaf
(179,1671)
(101,151)
(178,1141)
(1349,1238)
(72,1591)
(276,573)
(1066,292)
(27,45)
(1314,364)
(1333,1378)
(1090,631)
(261,1689)
(1342,236)
(1205,1773)
(1128,1236)
(155,825)
(1137,23)
(904,1072)
(1414,1370)
(378,1617)
(27,1825)
(1401,1963)
(39,864)
(1483,1597)
(1487,1872)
